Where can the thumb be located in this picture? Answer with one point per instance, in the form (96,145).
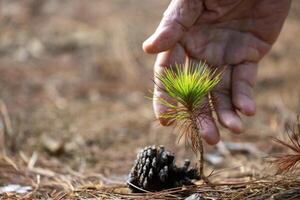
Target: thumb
(179,16)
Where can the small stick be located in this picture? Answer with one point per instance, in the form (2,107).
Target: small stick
(6,120)
(2,140)
(7,127)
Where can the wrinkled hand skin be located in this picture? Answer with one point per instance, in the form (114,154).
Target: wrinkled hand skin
(232,33)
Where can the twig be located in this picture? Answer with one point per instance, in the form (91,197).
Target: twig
(32,161)
(7,128)
(10,162)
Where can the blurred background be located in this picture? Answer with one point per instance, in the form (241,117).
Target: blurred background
(74,78)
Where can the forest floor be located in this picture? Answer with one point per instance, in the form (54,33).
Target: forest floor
(77,113)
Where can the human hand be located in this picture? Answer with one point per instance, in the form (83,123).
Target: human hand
(232,33)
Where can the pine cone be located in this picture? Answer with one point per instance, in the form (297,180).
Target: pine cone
(155,170)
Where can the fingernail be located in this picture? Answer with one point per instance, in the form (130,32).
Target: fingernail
(232,122)
(246,105)
(159,111)
(148,44)
(209,133)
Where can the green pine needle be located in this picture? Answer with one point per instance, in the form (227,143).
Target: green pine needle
(188,85)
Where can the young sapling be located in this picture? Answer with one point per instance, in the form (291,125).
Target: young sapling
(189,85)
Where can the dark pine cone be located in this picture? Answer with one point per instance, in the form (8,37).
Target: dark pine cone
(155,170)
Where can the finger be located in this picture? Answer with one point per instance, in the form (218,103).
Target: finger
(207,125)
(223,105)
(179,16)
(163,60)
(243,81)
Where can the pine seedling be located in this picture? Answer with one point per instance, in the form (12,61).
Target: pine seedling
(189,85)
